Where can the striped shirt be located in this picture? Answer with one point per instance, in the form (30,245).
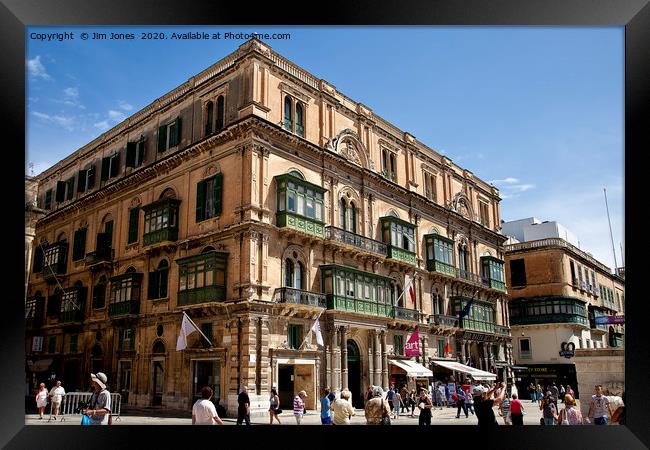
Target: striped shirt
(298,406)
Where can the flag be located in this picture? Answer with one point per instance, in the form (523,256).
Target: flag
(316,329)
(187,328)
(412,347)
(447,348)
(466,309)
(468,362)
(412,294)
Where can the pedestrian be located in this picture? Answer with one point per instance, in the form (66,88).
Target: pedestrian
(619,415)
(342,409)
(397,402)
(100,402)
(483,404)
(555,393)
(299,406)
(390,395)
(41,399)
(562,393)
(204,412)
(425,404)
(274,410)
(569,415)
(57,393)
(469,400)
(549,409)
(516,411)
(532,392)
(243,408)
(413,402)
(599,409)
(406,400)
(460,402)
(325,404)
(570,391)
(538,393)
(441,392)
(504,410)
(377,407)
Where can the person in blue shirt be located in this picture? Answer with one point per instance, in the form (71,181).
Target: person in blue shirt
(325,415)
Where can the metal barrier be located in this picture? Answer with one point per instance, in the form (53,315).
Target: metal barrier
(70,405)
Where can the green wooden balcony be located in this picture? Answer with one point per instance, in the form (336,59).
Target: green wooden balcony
(300,223)
(123,308)
(401,254)
(350,304)
(162,235)
(440,267)
(548,318)
(201,295)
(74,316)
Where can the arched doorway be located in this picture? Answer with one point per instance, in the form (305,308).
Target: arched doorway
(354,374)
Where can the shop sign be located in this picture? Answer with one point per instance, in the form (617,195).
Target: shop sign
(470,335)
(606,320)
(567,349)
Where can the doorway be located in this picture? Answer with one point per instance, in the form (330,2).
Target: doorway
(207,373)
(124,380)
(354,374)
(285,385)
(158,382)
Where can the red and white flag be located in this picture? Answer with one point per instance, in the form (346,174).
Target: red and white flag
(412,346)
(412,294)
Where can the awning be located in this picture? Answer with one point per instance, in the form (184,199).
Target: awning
(412,368)
(40,365)
(476,374)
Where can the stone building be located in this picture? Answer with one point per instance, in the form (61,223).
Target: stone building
(257,199)
(556,291)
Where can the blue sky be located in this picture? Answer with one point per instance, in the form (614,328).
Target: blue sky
(538,111)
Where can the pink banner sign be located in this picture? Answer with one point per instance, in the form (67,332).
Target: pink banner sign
(412,346)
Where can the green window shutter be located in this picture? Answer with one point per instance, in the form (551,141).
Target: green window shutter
(60,191)
(162,138)
(79,249)
(38,259)
(218,193)
(200,200)
(141,146)
(152,291)
(106,165)
(134,217)
(48,199)
(115,164)
(108,230)
(130,154)
(69,188)
(91,177)
(177,132)
(81,184)
(220,112)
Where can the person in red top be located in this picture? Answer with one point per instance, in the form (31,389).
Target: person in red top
(516,411)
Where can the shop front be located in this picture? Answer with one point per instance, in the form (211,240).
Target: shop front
(404,372)
(545,375)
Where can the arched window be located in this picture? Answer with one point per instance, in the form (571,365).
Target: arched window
(296,174)
(300,127)
(288,273)
(288,121)
(463,261)
(158,347)
(220,112)
(396,295)
(208,118)
(352,218)
(343,215)
(298,276)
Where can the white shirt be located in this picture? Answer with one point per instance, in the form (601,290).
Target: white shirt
(205,412)
(342,411)
(57,394)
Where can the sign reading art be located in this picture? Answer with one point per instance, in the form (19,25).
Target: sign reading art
(412,346)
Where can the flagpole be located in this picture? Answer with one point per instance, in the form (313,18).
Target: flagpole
(197,328)
(310,330)
(405,288)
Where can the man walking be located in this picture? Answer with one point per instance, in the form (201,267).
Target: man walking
(390,395)
(299,406)
(555,393)
(243,410)
(100,401)
(599,409)
(325,415)
(57,394)
(204,412)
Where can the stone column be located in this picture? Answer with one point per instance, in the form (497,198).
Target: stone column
(485,356)
(344,357)
(336,360)
(328,370)
(463,354)
(371,360)
(384,357)
(376,380)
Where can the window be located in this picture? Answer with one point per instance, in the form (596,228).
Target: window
(209,197)
(105,239)
(209,111)
(135,152)
(294,274)
(169,135)
(518,272)
(463,257)
(492,269)
(524,349)
(220,113)
(110,166)
(126,288)
(484,214)
(398,344)
(202,278)
(441,348)
(161,221)
(38,259)
(134,220)
(295,336)
(126,339)
(430,186)
(206,329)
(51,344)
(55,258)
(299,197)
(69,188)
(60,191)
(574,280)
(288,116)
(294,123)
(86,179)
(73,343)
(48,199)
(348,216)
(99,293)
(79,246)
(72,299)
(388,164)
(158,281)
(398,233)
(300,125)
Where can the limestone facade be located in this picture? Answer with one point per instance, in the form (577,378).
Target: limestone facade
(257,198)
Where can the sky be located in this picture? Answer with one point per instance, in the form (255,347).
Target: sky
(536,111)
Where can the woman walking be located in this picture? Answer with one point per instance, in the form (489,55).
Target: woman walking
(569,415)
(425,406)
(41,399)
(412,402)
(397,401)
(342,410)
(377,407)
(516,411)
(549,411)
(275,407)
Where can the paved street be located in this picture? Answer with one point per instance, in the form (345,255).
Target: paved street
(446,416)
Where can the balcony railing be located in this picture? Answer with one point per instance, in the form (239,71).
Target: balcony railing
(349,304)
(442,320)
(71,316)
(122,308)
(202,295)
(406,314)
(299,297)
(162,235)
(355,240)
(99,255)
(401,254)
(501,330)
(300,223)
(469,276)
(440,267)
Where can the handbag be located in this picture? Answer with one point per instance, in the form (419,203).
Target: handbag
(85,420)
(278,411)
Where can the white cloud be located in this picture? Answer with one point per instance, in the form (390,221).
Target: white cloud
(508,180)
(36,69)
(125,106)
(116,116)
(71,98)
(103,125)
(71,92)
(67,123)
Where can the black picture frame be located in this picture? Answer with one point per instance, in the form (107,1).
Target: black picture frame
(634,15)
